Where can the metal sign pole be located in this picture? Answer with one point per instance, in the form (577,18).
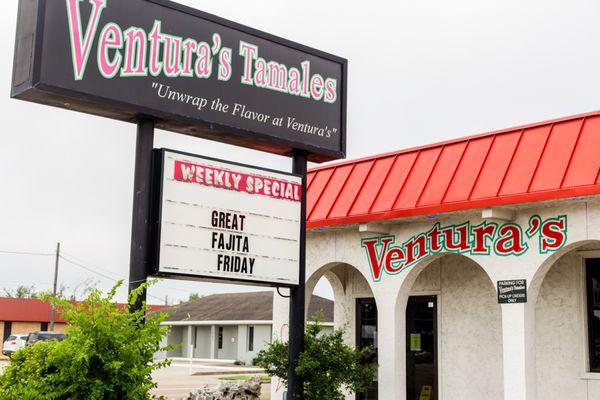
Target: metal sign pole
(142,198)
(297,298)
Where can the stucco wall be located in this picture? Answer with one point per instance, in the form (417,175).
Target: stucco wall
(186,340)
(229,350)
(25,327)
(262,336)
(232,350)
(560,350)
(469,329)
(203,342)
(487,351)
(175,338)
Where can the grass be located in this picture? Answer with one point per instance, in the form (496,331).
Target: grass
(265,378)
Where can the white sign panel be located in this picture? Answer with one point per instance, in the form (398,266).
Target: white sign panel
(220,220)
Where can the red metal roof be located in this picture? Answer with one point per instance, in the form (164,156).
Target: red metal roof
(34,310)
(544,161)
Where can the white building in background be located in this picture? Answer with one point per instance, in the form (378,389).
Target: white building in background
(230,327)
(471,267)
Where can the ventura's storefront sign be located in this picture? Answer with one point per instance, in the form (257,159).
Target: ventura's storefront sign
(220,220)
(196,73)
(385,256)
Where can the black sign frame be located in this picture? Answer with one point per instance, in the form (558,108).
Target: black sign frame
(507,291)
(156,222)
(27,85)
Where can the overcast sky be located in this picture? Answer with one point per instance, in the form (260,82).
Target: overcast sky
(449,69)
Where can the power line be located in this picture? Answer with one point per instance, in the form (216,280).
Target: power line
(91,265)
(102,275)
(105,270)
(89,269)
(28,253)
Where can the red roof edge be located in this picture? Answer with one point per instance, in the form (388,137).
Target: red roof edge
(458,206)
(451,141)
(549,160)
(36,310)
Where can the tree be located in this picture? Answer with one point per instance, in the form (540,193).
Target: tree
(21,292)
(79,291)
(63,291)
(108,354)
(192,297)
(328,365)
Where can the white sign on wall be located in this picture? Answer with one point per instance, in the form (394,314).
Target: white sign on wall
(220,220)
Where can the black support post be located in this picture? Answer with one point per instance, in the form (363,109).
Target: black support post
(298,295)
(142,198)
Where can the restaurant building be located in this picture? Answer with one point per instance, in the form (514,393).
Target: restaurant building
(21,316)
(230,327)
(471,267)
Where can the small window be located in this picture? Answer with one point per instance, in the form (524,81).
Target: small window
(7,329)
(593,310)
(250,338)
(220,345)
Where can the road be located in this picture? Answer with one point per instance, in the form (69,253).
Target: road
(175,382)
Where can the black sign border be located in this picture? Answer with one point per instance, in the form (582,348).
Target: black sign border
(511,302)
(35,91)
(156,218)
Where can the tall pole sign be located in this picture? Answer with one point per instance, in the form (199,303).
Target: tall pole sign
(298,293)
(160,64)
(195,73)
(141,222)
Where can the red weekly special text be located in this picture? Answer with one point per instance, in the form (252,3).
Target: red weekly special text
(225,179)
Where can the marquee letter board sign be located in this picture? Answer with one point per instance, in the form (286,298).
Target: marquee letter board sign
(219,220)
(193,72)
(514,291)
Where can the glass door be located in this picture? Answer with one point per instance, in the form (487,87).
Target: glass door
(366,336)
(421,348)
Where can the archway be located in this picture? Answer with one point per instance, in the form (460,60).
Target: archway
(559,294)
(353,300)
(466,356)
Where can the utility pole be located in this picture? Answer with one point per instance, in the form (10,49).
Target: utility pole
(52,310)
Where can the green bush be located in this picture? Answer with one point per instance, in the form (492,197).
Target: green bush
(108,354)
(328,365)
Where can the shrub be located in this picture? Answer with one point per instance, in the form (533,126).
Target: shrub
(108,354)
(327,365)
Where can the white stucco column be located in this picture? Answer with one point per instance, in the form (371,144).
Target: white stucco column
(281,308)
(242,343)
(189,340)
(213,340)
(391,351)
(518,338)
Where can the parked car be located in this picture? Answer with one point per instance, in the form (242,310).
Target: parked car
(39,336)
(13,343)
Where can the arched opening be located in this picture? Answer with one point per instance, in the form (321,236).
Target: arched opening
(452,324)
(354,308)
(563,319)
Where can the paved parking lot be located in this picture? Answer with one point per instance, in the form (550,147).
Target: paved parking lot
(175,382)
